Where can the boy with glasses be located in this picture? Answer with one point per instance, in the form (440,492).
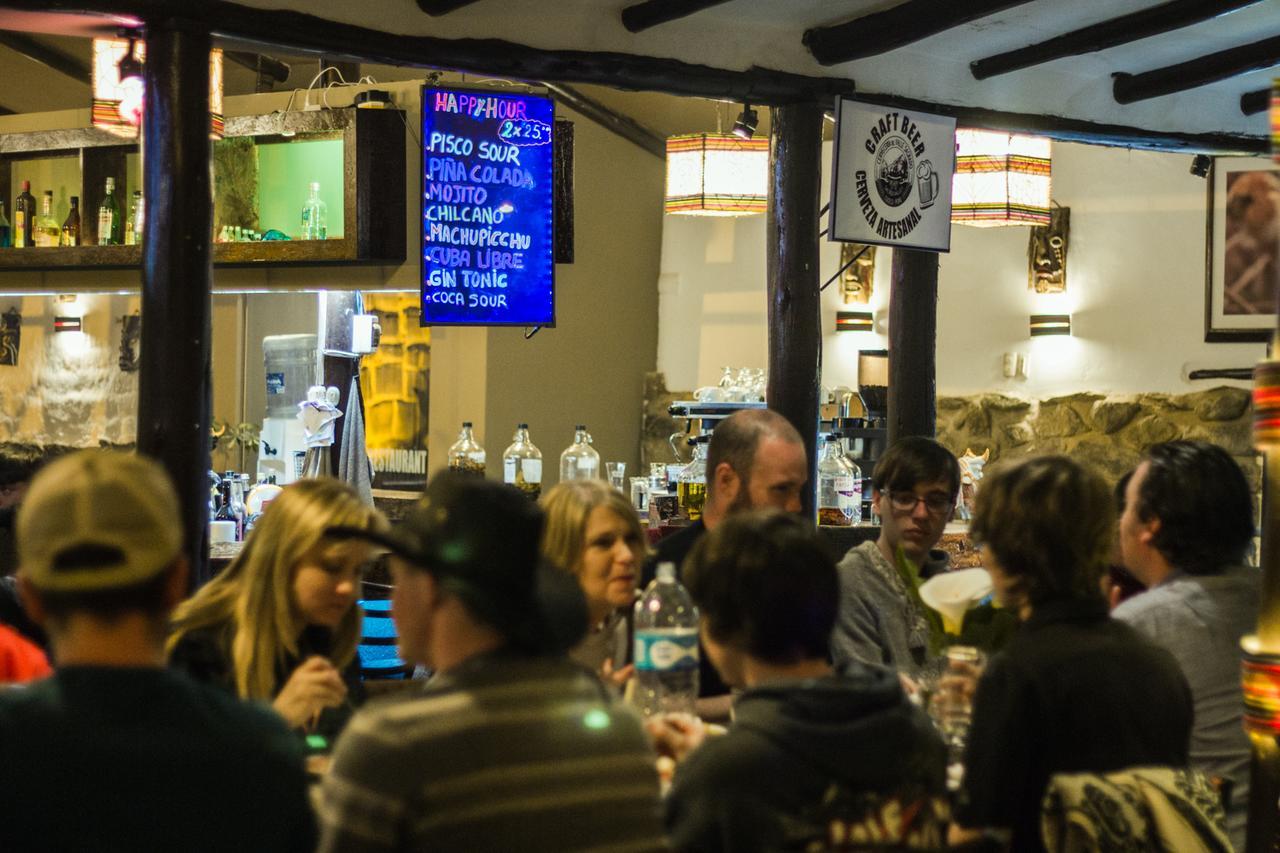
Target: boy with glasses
(882,620)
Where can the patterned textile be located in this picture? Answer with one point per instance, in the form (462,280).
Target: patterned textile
(1143,808)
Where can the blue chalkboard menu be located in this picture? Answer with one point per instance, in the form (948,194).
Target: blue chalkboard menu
(487,211)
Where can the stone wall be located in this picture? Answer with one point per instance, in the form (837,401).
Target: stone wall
(1109,433)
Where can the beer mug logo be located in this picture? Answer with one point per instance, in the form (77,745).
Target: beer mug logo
(927,180)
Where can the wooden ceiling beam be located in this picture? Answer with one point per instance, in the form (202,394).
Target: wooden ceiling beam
(1077,130)
(442,7)
(610,119)
(1107,34)
(1223,65)
(265,66)
(1257,101)
(650,13)
(50,57)
(896,27)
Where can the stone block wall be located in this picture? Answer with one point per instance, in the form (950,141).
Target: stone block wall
(1109,432)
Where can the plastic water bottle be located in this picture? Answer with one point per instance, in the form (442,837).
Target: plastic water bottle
(666,627)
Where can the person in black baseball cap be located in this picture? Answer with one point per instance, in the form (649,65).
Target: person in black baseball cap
(469,577)
(561,757)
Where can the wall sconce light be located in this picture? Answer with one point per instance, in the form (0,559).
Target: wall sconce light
(854,321)
(66,324)
(1050,324)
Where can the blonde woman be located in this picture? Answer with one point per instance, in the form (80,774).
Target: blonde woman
(280,624)
(592,532)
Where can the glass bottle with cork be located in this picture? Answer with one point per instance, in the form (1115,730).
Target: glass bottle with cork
(24,216)
(46,232)
(71,225)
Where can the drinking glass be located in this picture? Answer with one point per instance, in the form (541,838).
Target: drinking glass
(617,472)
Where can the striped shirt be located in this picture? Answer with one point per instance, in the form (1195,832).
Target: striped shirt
(501,753)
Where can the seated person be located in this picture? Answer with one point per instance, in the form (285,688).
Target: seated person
(1074,691)
(882,619)
(114,752)
(510,746)
(593,533)
(281,624)
(816,755)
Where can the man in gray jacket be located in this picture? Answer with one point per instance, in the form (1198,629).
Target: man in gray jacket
(882,620)
(1186,527)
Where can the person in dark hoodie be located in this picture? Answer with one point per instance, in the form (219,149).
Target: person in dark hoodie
(816,755)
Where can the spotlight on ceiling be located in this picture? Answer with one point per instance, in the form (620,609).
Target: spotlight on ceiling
(1200,165)
(748,121)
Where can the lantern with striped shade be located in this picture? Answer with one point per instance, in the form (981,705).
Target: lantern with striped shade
(716,174)
(117,104)
(1000,179)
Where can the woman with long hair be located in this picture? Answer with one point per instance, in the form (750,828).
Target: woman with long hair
(593,533)
(280,624)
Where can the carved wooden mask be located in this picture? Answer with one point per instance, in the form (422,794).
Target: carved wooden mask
(1047,253)
(856,280)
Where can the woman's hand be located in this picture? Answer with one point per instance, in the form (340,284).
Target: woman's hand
(675,735)
(315,685)
(618,678)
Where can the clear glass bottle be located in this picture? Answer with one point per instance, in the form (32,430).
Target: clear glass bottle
(666,647)
(47,232)
(71,225)
(315,216)
(110,223)
(133,225)
(691,486)
(466,455)
(855,475)
(6,233)
(580,461)
(835,486)
(522,464)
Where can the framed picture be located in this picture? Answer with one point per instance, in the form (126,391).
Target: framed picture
(1242,249)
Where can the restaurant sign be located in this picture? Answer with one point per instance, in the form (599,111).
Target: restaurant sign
(891,176)
(487,212)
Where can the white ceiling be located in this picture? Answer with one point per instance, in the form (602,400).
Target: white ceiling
(743,33)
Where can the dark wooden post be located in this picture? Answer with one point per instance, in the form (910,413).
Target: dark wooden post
(174,384)
(795,333)
(913,332)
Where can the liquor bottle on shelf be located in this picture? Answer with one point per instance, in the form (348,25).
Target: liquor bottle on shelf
(855,479)
(133,225)
(315,216)
(110,223)
(24,217)
(580,461)
(691,485)
(71,225)
(466,455)
(46,232)
(6,232)
(835,486)
(522,464)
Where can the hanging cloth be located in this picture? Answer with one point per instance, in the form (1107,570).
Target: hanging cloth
(353,458)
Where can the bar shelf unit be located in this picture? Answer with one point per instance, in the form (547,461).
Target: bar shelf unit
(373,222)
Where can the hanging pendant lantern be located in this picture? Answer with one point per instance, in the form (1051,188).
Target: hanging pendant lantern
(717,174)
(118,88)
(1000,179)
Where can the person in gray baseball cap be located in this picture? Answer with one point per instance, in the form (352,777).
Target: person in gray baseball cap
(559,757)
(115,752)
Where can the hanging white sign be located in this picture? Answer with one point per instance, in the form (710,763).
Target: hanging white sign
(891,176)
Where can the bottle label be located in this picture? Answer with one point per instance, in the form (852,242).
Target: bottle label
(19,227)
(666,649)
(532,470)
(104,227)
(509,470)
(275,383)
